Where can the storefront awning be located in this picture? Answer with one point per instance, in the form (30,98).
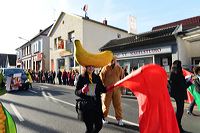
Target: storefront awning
(65,53)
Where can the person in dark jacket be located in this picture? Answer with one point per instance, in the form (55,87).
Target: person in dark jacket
(89,87)
(59,75)
(178,90)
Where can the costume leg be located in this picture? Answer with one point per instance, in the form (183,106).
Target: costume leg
(117,103)
(106,100)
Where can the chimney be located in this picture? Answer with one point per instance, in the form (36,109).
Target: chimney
(105,21)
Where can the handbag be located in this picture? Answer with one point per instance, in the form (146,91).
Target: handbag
(80,108)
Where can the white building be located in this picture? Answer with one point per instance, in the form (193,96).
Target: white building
(67,28)
(34,54)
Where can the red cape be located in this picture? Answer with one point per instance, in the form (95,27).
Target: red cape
(149,84)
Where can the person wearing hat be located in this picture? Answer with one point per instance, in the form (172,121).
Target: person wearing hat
(89,88)
(110,74)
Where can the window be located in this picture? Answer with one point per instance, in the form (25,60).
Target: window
(118,35)
(72,62)
(60,43)
(55,43)
(71,36)
(29,63)
(27,50)
(39,46)
(30,49)
(61,63)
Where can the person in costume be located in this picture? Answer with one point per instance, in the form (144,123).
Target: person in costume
(156,113)
(110,74)
(196,81)
(89,88)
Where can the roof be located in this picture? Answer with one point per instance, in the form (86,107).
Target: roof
(41,33)
(104,24)
(186,23)
(142,39)
(11,58)
(87,19)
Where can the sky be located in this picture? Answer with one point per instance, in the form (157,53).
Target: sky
(24,18)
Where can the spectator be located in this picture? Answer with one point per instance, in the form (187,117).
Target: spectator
(178,90)
(59,74)
(64,77)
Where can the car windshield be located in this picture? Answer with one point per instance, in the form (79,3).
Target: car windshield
(10,72)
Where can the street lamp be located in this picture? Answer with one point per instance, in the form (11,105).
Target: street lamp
(23,38)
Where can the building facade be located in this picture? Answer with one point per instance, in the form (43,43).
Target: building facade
(67,28)
(35,53)
(162,46)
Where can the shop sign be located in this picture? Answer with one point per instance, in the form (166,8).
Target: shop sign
(142,52)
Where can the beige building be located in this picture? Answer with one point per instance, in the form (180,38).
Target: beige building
(67,28)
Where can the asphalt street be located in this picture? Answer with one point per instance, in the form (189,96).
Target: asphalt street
(51,109)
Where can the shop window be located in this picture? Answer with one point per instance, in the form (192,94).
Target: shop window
(72,62)
(61,63)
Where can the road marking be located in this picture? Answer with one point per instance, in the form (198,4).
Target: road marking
(45,96)
(44,86)
(50,96)
(112,117)
(62,101)
(125,121)
(32,91)
(16,112)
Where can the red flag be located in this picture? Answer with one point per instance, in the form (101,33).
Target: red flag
(149,84)
(190,97)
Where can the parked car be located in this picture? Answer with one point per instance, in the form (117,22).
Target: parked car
(15,78)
